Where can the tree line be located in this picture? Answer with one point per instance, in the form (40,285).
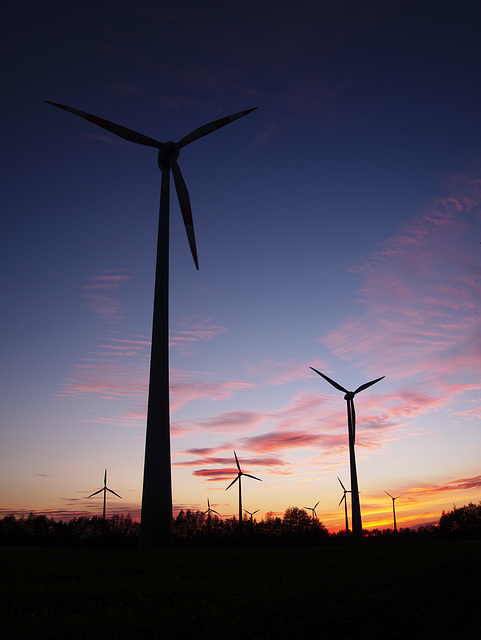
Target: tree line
(295,527)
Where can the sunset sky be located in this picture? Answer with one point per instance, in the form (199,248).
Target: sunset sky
(338,226)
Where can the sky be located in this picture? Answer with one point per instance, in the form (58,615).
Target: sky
(337,227)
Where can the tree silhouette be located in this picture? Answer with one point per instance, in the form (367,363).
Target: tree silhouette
(466,518)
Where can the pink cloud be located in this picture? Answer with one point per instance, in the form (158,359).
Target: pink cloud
(195,330)
(462,484)
(187,387)
(419,302)
(100,293)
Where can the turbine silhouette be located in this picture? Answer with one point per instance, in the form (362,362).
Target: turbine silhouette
(104,489)
(156,515)
(251,513)
(344,499)
(351,421)
(208,512)
(238,478)
(314,514)
(393,508)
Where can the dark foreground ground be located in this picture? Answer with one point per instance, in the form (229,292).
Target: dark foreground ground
(411,590)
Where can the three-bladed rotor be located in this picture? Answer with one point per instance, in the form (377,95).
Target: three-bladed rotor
(209,509)
(344,494)
(104,488)
(313,509)
(349,397)
(167,157)
(240,473)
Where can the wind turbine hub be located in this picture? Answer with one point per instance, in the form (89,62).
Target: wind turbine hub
(349,395)
(167,151)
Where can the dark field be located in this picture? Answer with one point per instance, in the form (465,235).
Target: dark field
(401,590)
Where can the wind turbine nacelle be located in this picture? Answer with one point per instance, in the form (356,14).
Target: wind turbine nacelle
(167,151)
(349,395)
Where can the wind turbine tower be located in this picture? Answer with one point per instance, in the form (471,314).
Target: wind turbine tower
(104,489)
(351,421)
(156,516)
(238,479)
(344,499)
(393,508)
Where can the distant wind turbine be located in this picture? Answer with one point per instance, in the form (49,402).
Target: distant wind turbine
(351,420)
(314,514)
(251,513)
(208,512)
(344,499)
(238,478)
(156,516)
(393,508)
(104,489)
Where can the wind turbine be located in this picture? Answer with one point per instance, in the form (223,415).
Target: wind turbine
(344,499)
(238,478)
(208,512)
(351,421)
(393,508)
(314,514)
(251,513)
(104,489)
(156,515)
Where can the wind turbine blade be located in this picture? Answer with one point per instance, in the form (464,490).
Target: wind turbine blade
(211,126)
(184,202)
(117,129)
(342,500)
(334,384)
(388,494)
(115,494)
(94,494)
(216,512)
(237,462)
(233,481)
(105,478)
(316,504)
(341,483)
(253,477)
(367,384)
(254,512)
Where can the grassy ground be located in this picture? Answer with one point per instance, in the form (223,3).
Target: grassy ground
(411,590)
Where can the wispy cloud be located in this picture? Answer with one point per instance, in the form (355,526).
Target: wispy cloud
(419,303)
(193,331)
(100,293)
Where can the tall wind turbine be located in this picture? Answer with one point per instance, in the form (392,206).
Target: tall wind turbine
(156,516)
(393,508)
(344,499)
(351,421)
(104,489)
(238,478)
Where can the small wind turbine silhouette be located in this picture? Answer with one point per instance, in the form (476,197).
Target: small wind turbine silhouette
(156,515)
(238,478)
(104,489)
(208,512)
(251,513)
(393,508)
(344,499)
(351,420)
(314,514)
